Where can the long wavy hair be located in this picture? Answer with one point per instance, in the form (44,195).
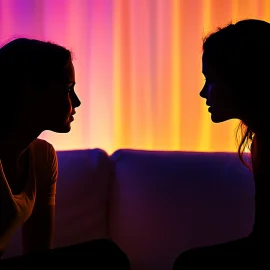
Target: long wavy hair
(240,53)
(245,139)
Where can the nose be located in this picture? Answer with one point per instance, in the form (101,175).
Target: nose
(75,101)
(203,92)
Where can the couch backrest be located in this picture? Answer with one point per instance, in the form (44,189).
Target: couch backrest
(82,196)
(153,204)
(163,203)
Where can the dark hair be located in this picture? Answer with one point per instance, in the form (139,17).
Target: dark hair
(240,54)
(28,61)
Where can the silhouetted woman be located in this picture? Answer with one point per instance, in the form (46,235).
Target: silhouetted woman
(37,93)
(236,66)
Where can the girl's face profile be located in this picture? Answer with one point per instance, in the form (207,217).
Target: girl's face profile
(219,96)
(58,102)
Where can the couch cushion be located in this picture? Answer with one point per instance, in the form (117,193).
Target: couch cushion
(162,203)
(81,200)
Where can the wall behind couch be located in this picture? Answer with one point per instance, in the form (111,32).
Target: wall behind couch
(138,66)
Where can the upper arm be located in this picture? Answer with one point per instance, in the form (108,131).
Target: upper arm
(37,231)
(52,176)
(39,228)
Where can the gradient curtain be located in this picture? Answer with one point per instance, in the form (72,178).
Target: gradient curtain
(138,67)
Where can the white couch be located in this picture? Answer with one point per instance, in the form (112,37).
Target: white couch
(153,204)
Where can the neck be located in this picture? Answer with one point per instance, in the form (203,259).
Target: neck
(14,143)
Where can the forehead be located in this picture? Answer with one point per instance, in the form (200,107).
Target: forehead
(209,68)
(69,73)
(204,64)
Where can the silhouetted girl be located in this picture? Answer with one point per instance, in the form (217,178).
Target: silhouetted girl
(236,66)
(37,82)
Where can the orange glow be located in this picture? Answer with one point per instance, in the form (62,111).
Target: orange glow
(138,67)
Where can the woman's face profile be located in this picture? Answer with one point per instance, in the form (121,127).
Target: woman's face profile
(60,101)
(219,97)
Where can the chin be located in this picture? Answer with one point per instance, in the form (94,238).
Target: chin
(65,129)
(61,128)
(218,118)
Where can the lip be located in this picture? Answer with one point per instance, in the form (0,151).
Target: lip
(209,109)
(71,118)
